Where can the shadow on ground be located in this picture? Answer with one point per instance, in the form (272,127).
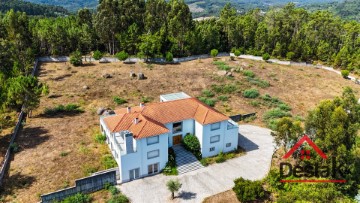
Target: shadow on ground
(247,144)
(186,195)
(14,182)
(31,137)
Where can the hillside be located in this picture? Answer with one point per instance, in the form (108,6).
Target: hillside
(32,8)
(199,8)
(348,9)
(65,144)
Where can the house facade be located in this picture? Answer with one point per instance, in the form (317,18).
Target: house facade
(139,137)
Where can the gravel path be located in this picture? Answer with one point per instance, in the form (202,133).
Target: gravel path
(216,178)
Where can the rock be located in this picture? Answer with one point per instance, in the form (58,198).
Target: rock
(107,75)
(100,111)
(85,87)
(141,76)
(244,65)
(232,70)
(103,60)
(229,74)
(132,74)
(221,73)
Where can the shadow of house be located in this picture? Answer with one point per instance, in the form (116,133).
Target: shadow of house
(247,144)
(186,195)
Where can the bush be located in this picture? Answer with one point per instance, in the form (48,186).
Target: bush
(275,113)
(100,138)
(223,98)
(169,57)
(290,55)
(70,109)
(14,147)
(345,73)
(119,198)
(122,56)
(76,58)
(214,53)
(204,162)
(266,56)
(220,158)
(97,55)
(108,161)
(249,73)
(247,190)
(119,100)
(237,52)
(259,82)
(284,107)
(251,93)
(192,144)
(208,101)
(146,99)
(208,93)
(78,198)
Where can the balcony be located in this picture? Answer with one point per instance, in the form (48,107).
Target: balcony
(231,125)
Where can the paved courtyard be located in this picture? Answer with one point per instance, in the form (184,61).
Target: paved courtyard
(216,178)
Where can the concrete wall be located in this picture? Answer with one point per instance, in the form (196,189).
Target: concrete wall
(85,185)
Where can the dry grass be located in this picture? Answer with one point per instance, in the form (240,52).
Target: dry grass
(40,166)
(228,196)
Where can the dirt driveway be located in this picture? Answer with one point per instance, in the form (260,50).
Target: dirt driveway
(213,179)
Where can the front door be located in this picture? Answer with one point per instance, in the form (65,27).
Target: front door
(177,139)
(134,174)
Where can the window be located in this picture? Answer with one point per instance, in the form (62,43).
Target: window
(215,126)
(228,144)
(153,168)
(177,127)
(153,154)
(152,140)
(212,149)
(215,138)
(134,174)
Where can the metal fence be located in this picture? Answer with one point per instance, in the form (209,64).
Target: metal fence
(16,131)
(84,185)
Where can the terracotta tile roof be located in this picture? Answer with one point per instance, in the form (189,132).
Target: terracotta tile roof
(153,117)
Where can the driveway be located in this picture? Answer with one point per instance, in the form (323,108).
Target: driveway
(216,178)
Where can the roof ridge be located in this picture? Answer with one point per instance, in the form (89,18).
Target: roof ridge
(122,118)
(207,111)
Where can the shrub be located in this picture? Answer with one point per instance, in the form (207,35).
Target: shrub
(207,93)
(247,190)
(266,56)
(223,98)
(122,56)
(259,82)
(76,58)
(251,93)
(108,161)
(208,101)
(119,100)
(146,99)
(214,53)
(97,55)
(254,103)
(100,138)
(63,154)
(232,58)
(14,147)
(192,144)
(290,55)
(78,198)
(275,113)
(169,57)
(119,198)
(171,157)
(237,52)
(220,158)
(345,73)
(70,108)
(284,107)
(204,162)
(249,73)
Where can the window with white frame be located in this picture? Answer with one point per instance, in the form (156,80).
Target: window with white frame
(212,149)
(152,140)
(215,126)
(215,138)
(153,154)
(177,127)
(228,144)
(153,168)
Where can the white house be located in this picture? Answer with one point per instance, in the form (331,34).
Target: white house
(139,137)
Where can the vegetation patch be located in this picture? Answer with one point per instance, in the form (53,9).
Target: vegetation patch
(119,100)
(170,168)
(192,144)
(247,190)
(258,82)
(251,93)
(77,198)
(108,161)
(222,157)
(61,109)
(249,73)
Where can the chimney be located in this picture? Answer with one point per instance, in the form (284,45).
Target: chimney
(128,109)
(136,121)
(142,105)
(129,148)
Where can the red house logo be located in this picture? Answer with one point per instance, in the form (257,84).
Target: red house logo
(307,173)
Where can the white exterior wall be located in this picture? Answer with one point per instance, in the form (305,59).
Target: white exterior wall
(139,158)
(187,127)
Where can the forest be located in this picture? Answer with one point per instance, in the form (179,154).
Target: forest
(32,9)
(156,27)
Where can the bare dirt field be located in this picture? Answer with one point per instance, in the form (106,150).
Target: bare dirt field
(228,196)
(54,151)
